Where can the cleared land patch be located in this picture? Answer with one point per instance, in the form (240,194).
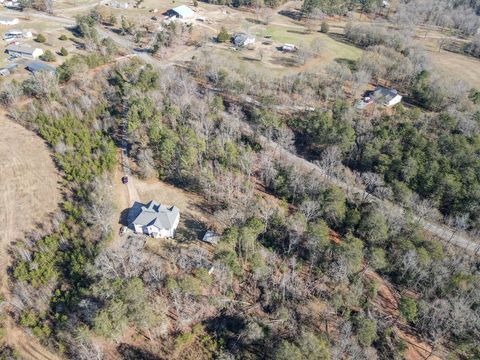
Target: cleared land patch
(29,189)
(29,193)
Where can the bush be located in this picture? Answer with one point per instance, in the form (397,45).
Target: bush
(324,28)
(366,331)
(63,37)
(63,51)
(223,35)
(41,38)
(48,56)
(408,309)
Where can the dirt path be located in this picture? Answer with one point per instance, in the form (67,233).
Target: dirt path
(29,193)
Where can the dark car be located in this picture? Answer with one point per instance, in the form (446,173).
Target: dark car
(125,179)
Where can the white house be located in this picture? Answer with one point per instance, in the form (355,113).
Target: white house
(242,39)
(157,220)
(386,97)
(25,51)
(5,21)
(181,12)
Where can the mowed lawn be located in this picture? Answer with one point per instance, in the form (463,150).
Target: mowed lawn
(457,66)
(331,48)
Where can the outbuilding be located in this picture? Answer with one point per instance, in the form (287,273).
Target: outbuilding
(243,39)
(386,97)
(38,66)
(289,48)
(181,12)
(25,51)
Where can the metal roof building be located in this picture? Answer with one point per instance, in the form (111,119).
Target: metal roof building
(182,12)
(24,51)
(36,66)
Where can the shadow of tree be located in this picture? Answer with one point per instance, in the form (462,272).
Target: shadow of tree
(292,14)
(351,64)
(130,352)
(256,21)
(192,230)
(287,62)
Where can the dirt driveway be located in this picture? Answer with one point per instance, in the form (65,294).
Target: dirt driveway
(29,193)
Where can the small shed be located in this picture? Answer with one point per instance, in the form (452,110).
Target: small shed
(211,237)
(289,48)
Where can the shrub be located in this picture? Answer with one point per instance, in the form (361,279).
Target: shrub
(63,37)
(63,51)
(324,28)
(408,309)
(48,56)
(41,38)
(223,35)
(366,331)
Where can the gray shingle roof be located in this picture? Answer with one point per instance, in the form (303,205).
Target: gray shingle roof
(157,215)
(36,66)
(384,94)
(24,49)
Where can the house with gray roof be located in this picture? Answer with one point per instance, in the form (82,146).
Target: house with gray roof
(243,39)
(386,97)
(156,220)
(38,66)
(25,51)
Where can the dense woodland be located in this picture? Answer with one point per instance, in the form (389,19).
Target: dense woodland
(300,262)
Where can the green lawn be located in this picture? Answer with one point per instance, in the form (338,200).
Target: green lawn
(333,48)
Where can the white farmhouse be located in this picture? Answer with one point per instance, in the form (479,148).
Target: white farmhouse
(157,220)
(25,51)
(386,97)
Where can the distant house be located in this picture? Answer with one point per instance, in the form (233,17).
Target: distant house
(37,66)
(7,70)
(12,5)
(119,5)
(156,220)
(12,35)
(181,12)
(242,39)
(25,51)
(386,97)
(5,21)
(289,48)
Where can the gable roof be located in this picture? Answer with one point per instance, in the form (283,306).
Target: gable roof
(36,66)
(24,49)
(183,11)
(155,214)
(385,94)
(241,38)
